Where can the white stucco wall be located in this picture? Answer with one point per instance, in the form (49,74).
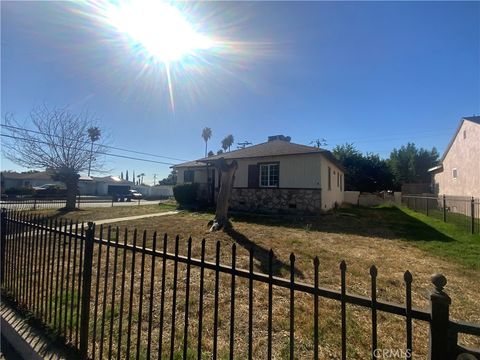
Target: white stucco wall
(337,190)
(464,155)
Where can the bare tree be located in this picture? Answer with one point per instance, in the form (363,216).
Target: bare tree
(59,142)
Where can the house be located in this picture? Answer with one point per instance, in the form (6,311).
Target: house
(87,185)
(459,170)
(276,176)
(15,180)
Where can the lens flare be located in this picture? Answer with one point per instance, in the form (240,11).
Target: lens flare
(159,27)
(155,47)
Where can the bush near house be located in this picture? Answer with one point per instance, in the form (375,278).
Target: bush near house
(185,194)
(20,191)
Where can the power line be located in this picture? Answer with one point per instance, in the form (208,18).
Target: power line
(86,142)
(97,152)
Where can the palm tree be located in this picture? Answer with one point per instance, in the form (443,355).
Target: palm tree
(227,142)
(230,141)
(141,178)
(94,135)
(224,144)
(206,135)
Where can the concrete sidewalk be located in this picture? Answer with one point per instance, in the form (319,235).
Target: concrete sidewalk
(136,217)
(25,341)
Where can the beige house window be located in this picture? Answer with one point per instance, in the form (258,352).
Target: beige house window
(269,174)
(464,134)
(188,176)
(454,174)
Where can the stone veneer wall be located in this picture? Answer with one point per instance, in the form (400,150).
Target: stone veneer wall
(276,200)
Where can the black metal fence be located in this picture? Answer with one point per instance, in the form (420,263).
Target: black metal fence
(459,210)
(41,202)
(112,298)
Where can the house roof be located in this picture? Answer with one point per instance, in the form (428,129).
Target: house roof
(270,148)
(474,119)
(111,180)
(41,175)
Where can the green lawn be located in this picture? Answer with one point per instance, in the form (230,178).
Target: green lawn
(456,244)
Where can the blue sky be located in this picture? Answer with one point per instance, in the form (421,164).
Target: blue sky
(378,74)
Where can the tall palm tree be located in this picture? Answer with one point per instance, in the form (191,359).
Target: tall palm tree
(224,144)
(94,135)
(229,141)
(206,135)
(141,178)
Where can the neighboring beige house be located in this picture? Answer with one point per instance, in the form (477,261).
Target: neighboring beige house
(277,176)
(12,179)
(459,170)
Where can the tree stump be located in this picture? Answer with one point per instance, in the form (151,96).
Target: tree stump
(227,175)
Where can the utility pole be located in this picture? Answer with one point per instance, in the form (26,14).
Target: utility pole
(241,145)
(154,179)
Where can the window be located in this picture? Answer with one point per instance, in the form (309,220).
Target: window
(464,134)
(341,182)
(454,173)
(329,178)
(188,176)
(338,179)
(269,174)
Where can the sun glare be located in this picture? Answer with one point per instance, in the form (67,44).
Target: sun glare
(159,27)
(183,45)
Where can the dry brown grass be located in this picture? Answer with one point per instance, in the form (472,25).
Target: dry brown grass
(334,239)
(361,242)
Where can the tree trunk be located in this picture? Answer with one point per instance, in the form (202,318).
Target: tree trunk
(227,173)
(70,178)
(72,188)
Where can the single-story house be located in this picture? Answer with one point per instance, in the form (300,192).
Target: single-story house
(276,176)
(106,185)
(458,173)
(15,180)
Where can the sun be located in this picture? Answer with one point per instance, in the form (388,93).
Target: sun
(159,27)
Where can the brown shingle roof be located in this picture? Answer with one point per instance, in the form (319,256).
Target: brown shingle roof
(270,148)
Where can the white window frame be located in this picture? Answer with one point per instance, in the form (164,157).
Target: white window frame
(268,166)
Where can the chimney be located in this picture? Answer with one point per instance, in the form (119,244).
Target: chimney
(279,137)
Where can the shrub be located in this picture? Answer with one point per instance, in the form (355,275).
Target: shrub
(185,194)
(20,191)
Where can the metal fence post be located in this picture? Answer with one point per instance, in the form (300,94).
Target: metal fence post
(86,287)
(427,204)
(444,209)
(472,214)
(440,346)
(3,241)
